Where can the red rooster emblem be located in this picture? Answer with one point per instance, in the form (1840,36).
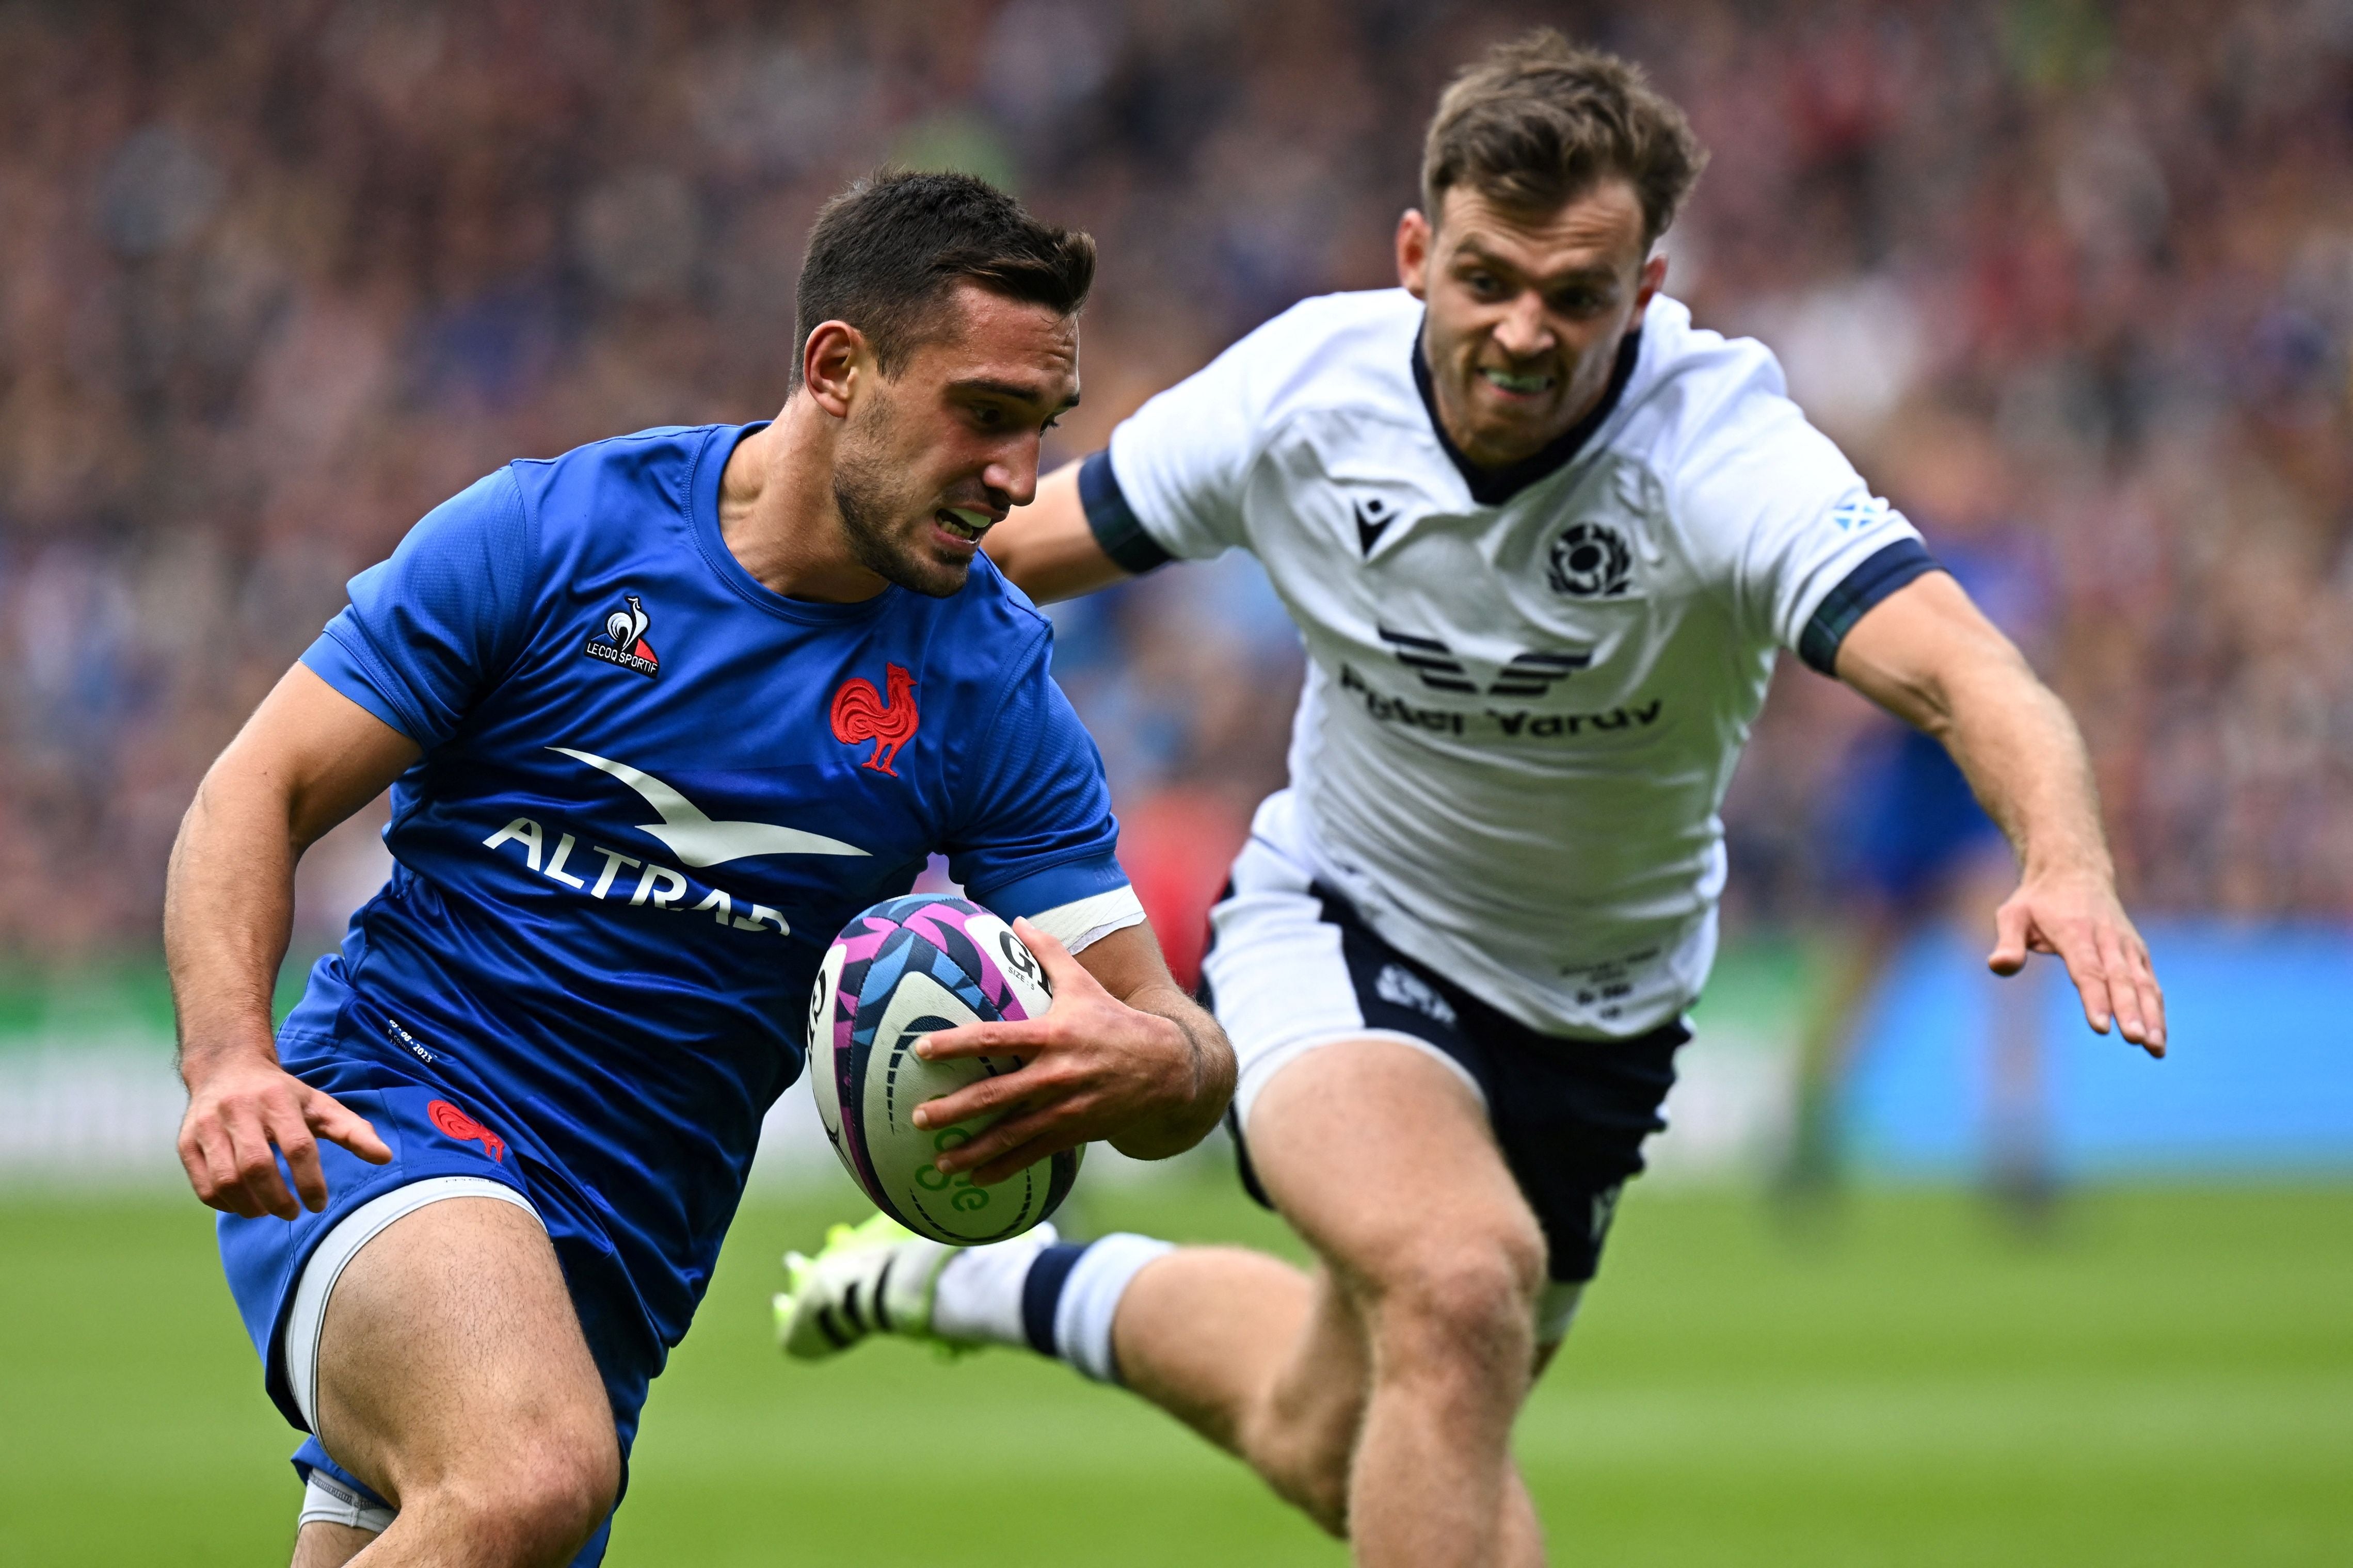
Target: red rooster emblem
(859,713)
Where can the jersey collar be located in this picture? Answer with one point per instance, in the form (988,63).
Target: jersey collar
(1493,487)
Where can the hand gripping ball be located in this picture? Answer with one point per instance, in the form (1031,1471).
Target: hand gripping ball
(905,968)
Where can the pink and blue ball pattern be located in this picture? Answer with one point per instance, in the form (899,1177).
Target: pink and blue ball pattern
(932,934)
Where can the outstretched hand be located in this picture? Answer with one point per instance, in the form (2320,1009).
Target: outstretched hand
(238,1114)
(1092,1067)
(2076,915)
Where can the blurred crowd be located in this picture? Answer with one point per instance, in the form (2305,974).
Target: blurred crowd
(2073,283)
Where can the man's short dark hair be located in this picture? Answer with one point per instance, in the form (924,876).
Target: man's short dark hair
(1538,122)
(885,254)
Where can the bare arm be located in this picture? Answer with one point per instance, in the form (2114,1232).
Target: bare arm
(307,759)
(1047,547)
(1928,655)
(1122,1055)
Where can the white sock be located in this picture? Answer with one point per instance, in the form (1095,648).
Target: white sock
(978,1298)
(1090,1300)
(1056,1297)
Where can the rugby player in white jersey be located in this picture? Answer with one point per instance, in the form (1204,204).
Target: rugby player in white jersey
(1545,539)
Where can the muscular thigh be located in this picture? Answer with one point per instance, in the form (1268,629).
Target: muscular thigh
(324,1545)
(1382,1157)
(451,1347)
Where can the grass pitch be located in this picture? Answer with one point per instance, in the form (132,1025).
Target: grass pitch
(2166,1378)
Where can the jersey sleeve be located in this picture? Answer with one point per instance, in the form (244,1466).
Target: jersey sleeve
(1170,485)
(1779,520)
(1039,838)
(429,630)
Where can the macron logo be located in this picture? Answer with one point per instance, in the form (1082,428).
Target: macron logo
(694,838)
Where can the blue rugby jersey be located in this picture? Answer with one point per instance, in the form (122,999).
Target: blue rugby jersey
(653,791)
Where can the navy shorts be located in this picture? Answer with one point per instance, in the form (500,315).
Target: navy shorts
(435,1134)
(1570,1115)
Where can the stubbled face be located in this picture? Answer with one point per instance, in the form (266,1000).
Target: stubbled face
(1525,315)
(932,458)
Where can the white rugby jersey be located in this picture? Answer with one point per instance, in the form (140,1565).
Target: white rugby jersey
(1526,689)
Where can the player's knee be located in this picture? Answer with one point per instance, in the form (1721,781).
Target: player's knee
(1465,1297)
(573,1484)
(541,1502)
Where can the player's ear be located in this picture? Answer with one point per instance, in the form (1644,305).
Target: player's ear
(1647,282)
(1413,242)
(831,362)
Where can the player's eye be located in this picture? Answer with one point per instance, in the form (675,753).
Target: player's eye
(1051,424)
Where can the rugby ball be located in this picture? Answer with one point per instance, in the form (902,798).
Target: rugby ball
(903,969)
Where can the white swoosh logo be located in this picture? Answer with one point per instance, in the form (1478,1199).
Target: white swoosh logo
(695,838)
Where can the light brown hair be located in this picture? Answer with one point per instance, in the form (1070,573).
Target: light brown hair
(1539,120)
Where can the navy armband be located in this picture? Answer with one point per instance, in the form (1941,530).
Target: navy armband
(1880,574)
(1113,521)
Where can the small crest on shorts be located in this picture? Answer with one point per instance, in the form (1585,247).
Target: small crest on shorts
(1396,984)
(452,1122)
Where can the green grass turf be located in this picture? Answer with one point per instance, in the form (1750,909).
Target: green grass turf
(2165,1378)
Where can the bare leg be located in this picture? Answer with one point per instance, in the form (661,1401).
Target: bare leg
(1268,1362)
(2020,1172)
(320,1545)
(1860,947)
(1521,1536)
(1380,1395)
(454,1381)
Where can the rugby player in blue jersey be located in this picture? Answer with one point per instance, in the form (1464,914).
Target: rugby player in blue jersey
(658,716)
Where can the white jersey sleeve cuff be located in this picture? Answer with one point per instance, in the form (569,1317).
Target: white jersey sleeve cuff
(1080,923)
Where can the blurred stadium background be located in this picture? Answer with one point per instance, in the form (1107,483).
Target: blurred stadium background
(2073,281)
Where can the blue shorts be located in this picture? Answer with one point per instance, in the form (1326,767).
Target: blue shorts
(433,1132)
